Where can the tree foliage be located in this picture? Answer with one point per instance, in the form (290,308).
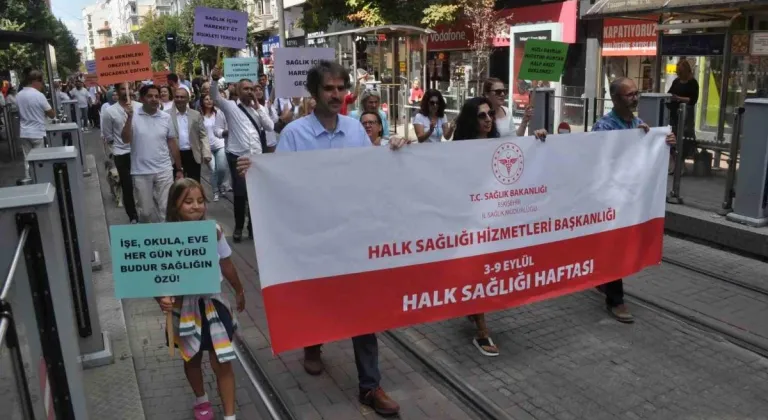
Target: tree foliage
(321,13)
(152,32)
(34,16)
(123,39)
(485,23)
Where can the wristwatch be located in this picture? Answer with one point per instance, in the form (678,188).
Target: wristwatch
(179,170)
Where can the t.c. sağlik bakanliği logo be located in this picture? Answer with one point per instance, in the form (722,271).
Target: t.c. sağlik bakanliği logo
(507,163)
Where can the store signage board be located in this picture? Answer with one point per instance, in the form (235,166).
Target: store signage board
(292,66)
(220,27)
(543,60)
(238,68)
(758,44)
(628,37)
(700,45)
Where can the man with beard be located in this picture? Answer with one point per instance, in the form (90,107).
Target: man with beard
(625,97)
(152,137)
(247,122)
(326,128)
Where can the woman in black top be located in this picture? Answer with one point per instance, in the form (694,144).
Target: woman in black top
(685,91)
(477,120)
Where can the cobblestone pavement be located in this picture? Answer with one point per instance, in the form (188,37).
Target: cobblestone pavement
(561,359)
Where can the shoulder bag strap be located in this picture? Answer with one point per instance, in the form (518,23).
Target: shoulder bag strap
(262,134)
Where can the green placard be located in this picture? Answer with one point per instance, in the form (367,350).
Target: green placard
(543,60)
(165,259)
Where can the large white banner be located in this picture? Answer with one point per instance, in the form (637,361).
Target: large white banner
(352,241)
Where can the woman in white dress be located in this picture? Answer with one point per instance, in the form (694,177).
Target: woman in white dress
(430,123)
(496,93)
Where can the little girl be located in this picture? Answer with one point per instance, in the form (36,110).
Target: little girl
(200,321)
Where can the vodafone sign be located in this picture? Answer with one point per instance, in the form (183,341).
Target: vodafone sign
(459,36)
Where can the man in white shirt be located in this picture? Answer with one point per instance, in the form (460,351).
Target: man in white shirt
(193,137)
(112,122)
(150,133)
(60,96)
(33,110)
(83,97)
(248,123)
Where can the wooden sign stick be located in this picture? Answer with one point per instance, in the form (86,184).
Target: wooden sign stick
(169,330)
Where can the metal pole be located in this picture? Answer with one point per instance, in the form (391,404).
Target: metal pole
(280,22)
(51,70)
(674,195)
(723,93)
(657,66)
(730,180)
(14,263)
(586,114)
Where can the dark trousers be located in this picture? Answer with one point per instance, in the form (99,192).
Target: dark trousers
(239,191)
(93,115)
(191,167)
(614,293)
(123,165)
(367,361)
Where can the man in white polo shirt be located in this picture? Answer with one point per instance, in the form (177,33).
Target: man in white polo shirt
(33,110)
(83,97)
(153,141)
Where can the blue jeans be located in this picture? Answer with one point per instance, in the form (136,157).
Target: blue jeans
(219,169)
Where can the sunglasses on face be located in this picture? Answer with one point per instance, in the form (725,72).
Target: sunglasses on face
(499,92)
(486,115)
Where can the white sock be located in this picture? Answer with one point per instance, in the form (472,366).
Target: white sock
(200,400)
(232,417)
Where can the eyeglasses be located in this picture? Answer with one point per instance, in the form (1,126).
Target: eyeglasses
(499,92)
(634,94)
(486,115)
(365,123)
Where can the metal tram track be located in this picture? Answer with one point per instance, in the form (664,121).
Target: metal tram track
(728,332)
(716,276)
(471,398)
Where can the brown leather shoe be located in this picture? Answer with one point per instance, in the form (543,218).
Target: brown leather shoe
(379,401)
(621,314)
(313,364)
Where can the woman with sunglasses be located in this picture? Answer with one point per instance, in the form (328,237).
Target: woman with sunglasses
(430,124)
(477,120)
(374,126)
(496,93)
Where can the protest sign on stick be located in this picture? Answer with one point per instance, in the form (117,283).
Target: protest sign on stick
(220,27)
(123,63)
(292,66)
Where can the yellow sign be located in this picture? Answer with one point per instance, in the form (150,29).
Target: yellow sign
(402,66)
(671,68)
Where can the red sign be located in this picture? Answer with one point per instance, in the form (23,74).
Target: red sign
(629,37)
(460,36)
(91,80)
(160,78)
(125,63)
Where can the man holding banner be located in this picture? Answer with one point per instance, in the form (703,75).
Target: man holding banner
(328,83)
(247,123)
(624,94)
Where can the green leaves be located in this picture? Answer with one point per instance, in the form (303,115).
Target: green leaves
(34,16)
(321,13)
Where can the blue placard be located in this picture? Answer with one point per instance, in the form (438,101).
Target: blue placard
(236,69)
(90,66)
(165,259)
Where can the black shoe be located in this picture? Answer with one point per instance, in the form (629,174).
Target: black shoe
(250,231)
(237,236)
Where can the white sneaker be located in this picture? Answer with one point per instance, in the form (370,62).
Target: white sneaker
(215,196)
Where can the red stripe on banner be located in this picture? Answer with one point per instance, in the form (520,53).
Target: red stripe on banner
(302,313)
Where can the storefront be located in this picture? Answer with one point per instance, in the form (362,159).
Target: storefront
(629,50)
(449,58)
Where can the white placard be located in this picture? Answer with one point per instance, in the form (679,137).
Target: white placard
(758,44)
(292,66)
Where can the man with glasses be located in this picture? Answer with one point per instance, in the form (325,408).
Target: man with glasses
(371,100)
(625,98)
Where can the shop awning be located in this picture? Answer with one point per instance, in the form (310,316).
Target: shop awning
(613,8)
